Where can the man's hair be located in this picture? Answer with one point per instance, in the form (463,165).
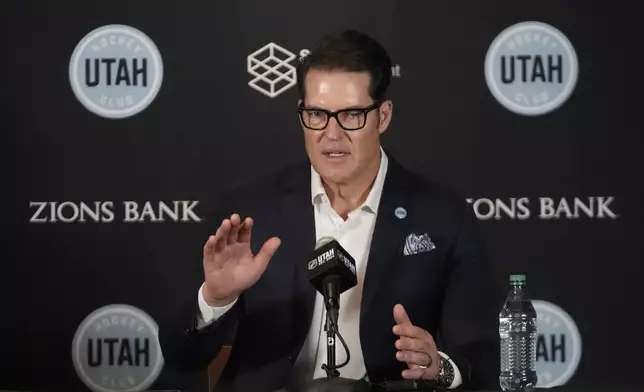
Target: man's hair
(349,51)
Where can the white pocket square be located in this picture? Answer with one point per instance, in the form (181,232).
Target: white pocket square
(418,243)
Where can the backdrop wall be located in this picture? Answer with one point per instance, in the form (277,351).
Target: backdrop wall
(123,120)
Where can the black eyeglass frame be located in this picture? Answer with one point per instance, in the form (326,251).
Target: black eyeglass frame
(330,114)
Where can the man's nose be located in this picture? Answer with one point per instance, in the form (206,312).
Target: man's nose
(333,130)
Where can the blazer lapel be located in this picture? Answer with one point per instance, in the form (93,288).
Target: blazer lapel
(389,232)
(298,239)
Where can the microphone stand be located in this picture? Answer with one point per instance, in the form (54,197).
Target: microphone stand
(331,286)
(330,328)
(333,381)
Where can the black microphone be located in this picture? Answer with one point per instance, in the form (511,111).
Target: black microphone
(332,271)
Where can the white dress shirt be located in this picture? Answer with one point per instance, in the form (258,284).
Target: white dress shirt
(354,235)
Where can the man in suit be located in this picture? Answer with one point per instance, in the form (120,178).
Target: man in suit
(424,307)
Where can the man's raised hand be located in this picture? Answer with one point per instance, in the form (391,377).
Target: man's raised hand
(229,265)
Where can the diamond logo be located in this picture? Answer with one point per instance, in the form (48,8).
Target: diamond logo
(272,71)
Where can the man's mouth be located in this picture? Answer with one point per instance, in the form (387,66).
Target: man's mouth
(335,153)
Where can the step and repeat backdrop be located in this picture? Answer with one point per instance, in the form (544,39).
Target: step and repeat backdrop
(123,120)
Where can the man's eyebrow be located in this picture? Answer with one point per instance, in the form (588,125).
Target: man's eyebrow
(344,108)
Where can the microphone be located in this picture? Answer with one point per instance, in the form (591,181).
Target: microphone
(332,271)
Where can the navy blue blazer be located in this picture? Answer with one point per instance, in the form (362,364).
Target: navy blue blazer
(449,291)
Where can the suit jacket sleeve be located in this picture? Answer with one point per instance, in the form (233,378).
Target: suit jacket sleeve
(185,345)
(468,330)
(188,348)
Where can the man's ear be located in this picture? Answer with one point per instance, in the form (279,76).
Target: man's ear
(385,111)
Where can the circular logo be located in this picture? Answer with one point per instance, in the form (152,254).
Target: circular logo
(116,348)
(116,71)
(531,68)
(400,213)
(558,345)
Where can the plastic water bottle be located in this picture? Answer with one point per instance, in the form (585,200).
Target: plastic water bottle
(518,333)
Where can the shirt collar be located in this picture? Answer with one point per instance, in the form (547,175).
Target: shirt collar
(373,199)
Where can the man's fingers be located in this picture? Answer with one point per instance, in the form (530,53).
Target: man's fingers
(412,344)
(411,331)
(413,374)
(268,250)
(245,230)
(235,222)
(221,235)
(416,372)
(413,358)
(400,315)
(209,246)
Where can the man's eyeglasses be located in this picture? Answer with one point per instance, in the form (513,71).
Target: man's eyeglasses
(349,119)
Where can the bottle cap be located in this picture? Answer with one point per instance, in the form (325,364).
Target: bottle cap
(517,278)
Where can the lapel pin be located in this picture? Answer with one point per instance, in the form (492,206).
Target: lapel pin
(400,213)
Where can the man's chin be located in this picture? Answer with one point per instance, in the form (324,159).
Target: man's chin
(336,176)
(335,172)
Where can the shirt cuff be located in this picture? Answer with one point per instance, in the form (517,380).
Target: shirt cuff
(458,380)
(210,314)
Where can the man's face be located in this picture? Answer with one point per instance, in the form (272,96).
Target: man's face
(339,155)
